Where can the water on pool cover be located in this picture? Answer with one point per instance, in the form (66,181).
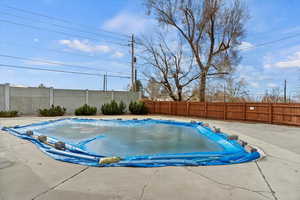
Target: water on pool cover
(132,140)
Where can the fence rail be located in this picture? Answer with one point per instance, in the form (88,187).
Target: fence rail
(273,113)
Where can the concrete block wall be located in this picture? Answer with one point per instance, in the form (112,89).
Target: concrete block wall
(126,97)
(2,97)
(29,100)
(98,98)
(70,99)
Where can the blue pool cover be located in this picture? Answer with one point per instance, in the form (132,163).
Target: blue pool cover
(231,151)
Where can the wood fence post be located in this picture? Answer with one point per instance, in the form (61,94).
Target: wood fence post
(245,111)
(188,108)
(270,113)
(170,108)
(159,107)
(205,109)
(224,111)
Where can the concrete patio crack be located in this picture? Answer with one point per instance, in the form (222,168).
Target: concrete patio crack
(266,181)
(231,187)
(60,183)
(146,185)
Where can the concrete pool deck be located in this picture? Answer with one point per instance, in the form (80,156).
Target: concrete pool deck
(27,173)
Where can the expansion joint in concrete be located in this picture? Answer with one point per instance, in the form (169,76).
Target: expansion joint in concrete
(60,183)
(229,186)
(266,181)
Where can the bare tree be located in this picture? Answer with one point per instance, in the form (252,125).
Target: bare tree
(226,90)
(213,30)
(273,96)
(236,90)
(41,85)
(168,66)
(153,89)
(138,86)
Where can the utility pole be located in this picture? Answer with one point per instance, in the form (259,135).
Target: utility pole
(284,91)
(133,61)
(103,82)
(135,79)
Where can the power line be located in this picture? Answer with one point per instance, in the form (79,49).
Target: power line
(55,31)
(60,26)
(271,42)
(60,71)
(59,32)
(111,32)
(264,43)
(54,63)
(59,51)
(62,20)
(260,44)
(254,45)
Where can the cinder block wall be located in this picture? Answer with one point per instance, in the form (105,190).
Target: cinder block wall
(70,99)
(29,100)
(98,98)
(2,97)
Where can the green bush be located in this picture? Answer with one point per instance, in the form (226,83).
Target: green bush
(138,108)
(11,113)
(86,110)
(122,107)
(113,108)
(53,111)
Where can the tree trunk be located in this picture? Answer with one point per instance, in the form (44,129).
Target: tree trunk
(202,87)
(179,93)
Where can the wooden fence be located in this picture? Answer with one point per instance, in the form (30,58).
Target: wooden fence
(278,113)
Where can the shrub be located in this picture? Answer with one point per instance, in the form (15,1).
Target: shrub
(122,107)
(86,110)
(113,108)
(53,111)
(11,113)
(138,108)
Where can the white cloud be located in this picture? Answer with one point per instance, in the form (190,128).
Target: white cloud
(42,62)
(85,46)
(286,64)
(113,67)
(128,23)
(244,46)
(272,85)
(254,84)
(118,54)
(290,62)
(36,40)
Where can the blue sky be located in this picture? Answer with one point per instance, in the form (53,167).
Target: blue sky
(263,67)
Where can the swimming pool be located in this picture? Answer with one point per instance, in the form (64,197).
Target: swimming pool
(137,143)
